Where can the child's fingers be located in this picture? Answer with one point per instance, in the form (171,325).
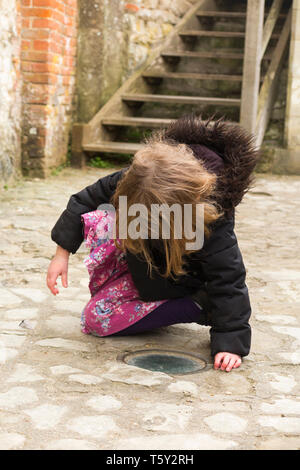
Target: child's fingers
(54,289)
(51,283)
(64,279)
(238,363)
(230,364)
(218,360)
(225,362)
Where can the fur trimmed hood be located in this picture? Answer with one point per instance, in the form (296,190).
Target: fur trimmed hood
(225,149)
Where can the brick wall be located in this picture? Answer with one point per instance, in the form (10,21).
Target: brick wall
(49,32)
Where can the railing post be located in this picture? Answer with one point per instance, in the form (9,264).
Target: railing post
(269,24)
(292,120)
(268,90)
(252,61)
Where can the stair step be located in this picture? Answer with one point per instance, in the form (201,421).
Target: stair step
(194,76)
(223,14)
(136,121)
(172,99)
(228,14)
(112,147)
(204,54)
(215,54)
(209,34)
(217,34)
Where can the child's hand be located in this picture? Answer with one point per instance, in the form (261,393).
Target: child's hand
(58,267)
(227,361)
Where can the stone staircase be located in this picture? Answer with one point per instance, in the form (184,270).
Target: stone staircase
(198,69)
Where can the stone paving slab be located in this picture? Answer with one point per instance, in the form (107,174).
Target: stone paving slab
(61,389)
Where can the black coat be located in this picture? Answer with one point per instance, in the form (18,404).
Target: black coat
(215,274)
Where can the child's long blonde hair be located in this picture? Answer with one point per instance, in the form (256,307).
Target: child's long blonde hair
(165,173)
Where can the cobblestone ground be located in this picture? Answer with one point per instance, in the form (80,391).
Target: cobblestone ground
(61,389)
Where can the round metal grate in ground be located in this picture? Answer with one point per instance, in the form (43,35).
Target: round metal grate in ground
(170,362)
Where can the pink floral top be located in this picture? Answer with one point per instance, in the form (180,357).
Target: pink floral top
(114,303)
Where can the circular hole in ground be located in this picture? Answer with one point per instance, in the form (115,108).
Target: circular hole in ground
(170,362)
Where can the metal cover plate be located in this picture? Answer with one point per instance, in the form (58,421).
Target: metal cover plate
(169,362)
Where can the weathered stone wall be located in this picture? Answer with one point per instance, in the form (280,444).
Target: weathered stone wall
(149,21)
(101,54)
(49,38)
(114,39)
(10,97)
